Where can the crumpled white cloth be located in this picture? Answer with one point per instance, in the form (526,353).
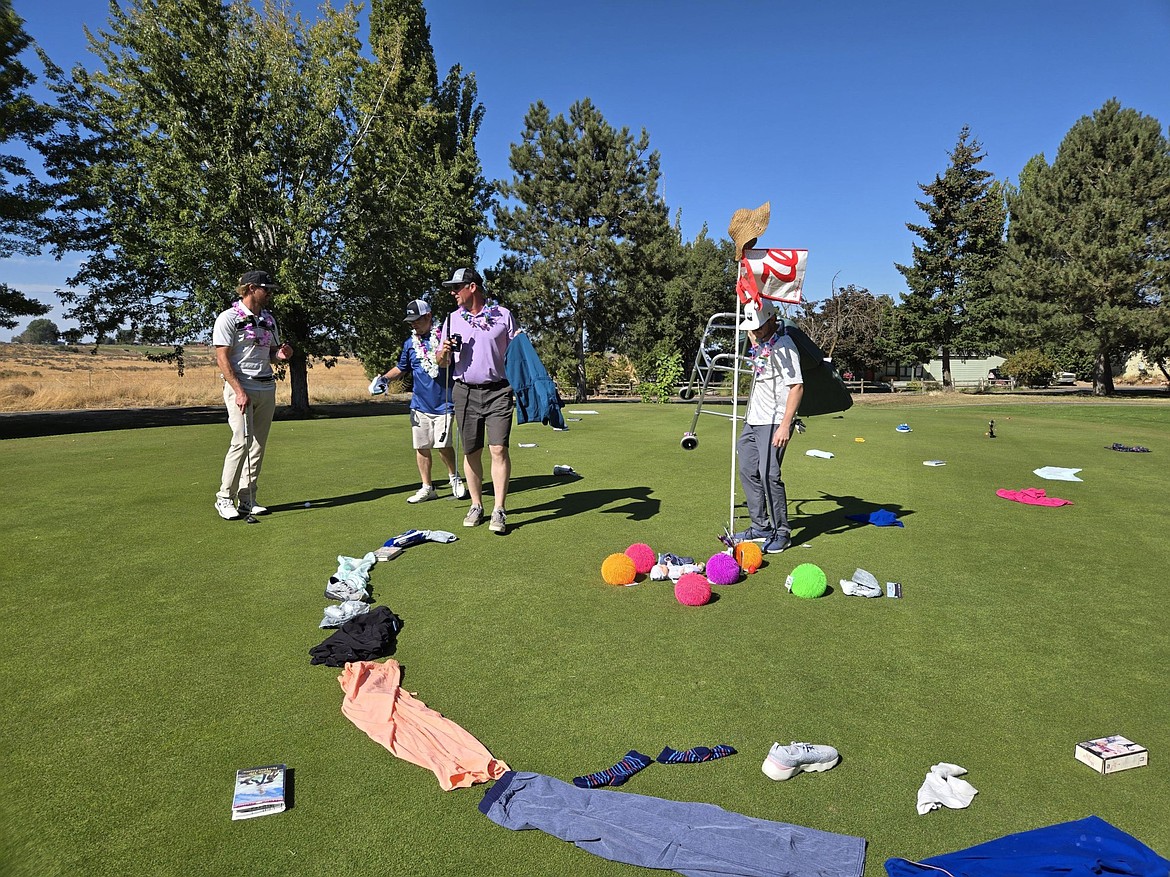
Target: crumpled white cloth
(813,452)
(943,788)
(1056,473)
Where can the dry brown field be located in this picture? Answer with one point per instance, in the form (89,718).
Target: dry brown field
(47,377)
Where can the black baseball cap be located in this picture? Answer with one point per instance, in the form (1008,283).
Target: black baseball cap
(464,276)
(417,308)
(256,278)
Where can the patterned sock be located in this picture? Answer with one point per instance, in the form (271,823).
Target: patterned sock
(692,756)
(616,775)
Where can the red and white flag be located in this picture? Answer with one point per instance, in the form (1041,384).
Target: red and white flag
(777,275)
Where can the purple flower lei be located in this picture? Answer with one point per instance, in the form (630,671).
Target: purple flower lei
(760,353)
(265,337)
(485,319)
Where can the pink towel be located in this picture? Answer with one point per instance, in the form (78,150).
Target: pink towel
(1032,496)
(375,702)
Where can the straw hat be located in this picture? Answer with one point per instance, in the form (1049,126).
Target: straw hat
(747,225)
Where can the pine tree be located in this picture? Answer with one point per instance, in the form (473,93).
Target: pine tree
(950,303)
(23,204)
(1089,242)
(582,219)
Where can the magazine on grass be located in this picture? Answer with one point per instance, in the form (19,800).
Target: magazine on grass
(259,791)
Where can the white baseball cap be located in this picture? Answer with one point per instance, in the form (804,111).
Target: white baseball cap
(754,316)
(417,308)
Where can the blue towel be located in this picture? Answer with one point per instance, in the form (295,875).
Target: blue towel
(1089,846)
(880,518)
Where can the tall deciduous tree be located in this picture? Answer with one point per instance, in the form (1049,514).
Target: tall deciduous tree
(216,138)
(22,201)
(854,327)
(583,207)
(951,280)
(1089,242)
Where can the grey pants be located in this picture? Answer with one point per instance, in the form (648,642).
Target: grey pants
(759,473)
(696,840)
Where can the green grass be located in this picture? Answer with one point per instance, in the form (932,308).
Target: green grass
(151,649)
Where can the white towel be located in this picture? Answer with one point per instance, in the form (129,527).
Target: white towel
(943,788)
(1056,473)
(824,455)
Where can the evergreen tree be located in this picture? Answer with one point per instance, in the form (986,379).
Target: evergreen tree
(1089,243)
(950,305)
(420,198)
(581,224)
(22,201)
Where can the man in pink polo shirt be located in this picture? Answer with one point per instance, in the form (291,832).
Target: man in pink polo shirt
(482,396)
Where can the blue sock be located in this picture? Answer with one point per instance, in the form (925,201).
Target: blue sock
(693,756)
(616,775)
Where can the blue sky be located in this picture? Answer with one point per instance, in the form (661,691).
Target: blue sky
(833,111)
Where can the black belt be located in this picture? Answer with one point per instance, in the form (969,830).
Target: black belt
(492,385)
(267,380)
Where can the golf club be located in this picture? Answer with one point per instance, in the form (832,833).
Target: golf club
(450,394)
(251,518)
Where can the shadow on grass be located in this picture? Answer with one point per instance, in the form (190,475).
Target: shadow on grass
(346,499)
(807,527)
(633,502)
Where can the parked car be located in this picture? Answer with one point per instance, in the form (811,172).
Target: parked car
(1064,379)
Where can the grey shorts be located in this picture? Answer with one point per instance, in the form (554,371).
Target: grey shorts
(486,408)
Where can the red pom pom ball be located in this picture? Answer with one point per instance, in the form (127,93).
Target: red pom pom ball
(643,556)
(693,590)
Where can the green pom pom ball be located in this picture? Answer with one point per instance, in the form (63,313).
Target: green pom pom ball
(808,581)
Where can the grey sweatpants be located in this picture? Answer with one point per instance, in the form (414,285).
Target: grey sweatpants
(696,840)
(759,473)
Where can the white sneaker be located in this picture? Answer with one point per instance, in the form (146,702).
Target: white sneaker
(251,507)
(426,492)
(784,762)
(457,489)
(226,510)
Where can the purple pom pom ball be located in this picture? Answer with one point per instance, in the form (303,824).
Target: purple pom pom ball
(722,569)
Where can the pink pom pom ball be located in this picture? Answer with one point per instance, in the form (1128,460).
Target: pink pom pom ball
(693,589)
(643,556)
(722,569)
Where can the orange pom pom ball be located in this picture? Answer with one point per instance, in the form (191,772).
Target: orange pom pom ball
(749,556)
(617,569)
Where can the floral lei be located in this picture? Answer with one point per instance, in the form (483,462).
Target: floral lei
(760,353)
(484,319)
(427,356)
(266,336)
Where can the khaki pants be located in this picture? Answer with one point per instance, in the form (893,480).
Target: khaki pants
(261,408)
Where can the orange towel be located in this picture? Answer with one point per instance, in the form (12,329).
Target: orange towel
(375,702)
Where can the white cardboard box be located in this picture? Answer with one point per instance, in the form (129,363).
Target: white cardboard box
(1108,755)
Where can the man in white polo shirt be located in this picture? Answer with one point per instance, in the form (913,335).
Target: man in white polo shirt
(247,342)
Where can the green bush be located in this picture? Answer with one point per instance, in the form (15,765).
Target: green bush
(1030,368)
(668,371)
